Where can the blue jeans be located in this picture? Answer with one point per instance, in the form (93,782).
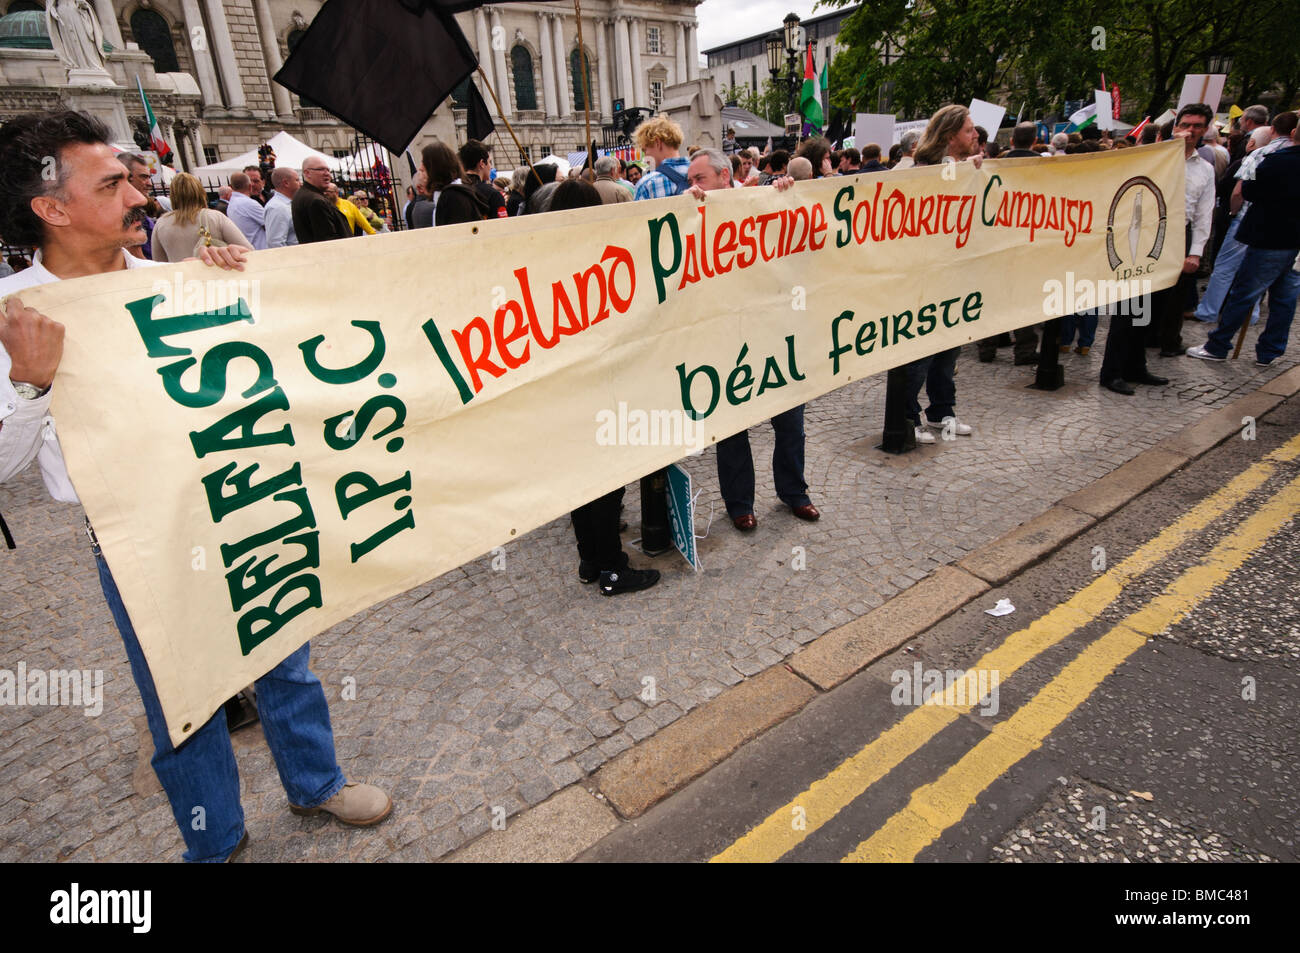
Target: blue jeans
(200,777)
(1262,269)
(736,465)
(1226,263)
(1085,321)
(936,373)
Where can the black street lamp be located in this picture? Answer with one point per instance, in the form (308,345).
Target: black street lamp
(790,38)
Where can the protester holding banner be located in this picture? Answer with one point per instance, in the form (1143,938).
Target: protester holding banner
(1168,305)
(82,223)
(950,137)
(596,524)
(710,170)
(1124,362)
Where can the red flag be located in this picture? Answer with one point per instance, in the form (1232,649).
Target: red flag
(1137,132)
(1114,100)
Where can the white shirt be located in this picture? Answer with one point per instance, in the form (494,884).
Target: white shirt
(1199,198)
(279,222)
(28,433)
(249,217)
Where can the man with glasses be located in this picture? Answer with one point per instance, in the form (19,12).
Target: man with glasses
(1125,362)
(315,217)
(1168,306)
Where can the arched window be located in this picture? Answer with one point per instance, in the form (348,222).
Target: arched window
(525,90)
(155,38)
(575,67)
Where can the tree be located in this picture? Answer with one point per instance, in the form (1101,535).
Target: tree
(1041,54)
(770,103)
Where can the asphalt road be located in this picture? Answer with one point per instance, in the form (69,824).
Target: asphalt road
(1139,704)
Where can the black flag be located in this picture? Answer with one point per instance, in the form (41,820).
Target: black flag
(384,66)
(478,119)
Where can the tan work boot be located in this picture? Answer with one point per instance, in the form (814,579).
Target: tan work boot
(357,804)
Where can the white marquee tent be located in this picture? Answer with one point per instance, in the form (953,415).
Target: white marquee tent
(289,152)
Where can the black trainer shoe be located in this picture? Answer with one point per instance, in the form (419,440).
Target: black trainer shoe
(627,580)
(587,572)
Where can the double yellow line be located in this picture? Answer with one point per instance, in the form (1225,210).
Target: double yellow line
(935,807)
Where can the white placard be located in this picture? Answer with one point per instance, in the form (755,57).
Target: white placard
(987,115)
(874,127)
(1202,88)
(1105,116)
(903,128)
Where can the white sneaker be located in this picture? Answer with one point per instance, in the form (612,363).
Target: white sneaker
(1199,351)
(953,425)
(924,436)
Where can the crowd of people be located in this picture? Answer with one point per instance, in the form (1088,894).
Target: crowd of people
(98,215)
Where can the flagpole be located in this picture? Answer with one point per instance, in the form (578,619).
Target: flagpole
(509,129)
(586,85)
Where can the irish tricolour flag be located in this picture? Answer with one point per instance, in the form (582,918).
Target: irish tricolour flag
(155,133)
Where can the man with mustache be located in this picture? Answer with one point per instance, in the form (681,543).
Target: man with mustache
(82,222)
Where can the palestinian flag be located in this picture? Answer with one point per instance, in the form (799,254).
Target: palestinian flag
(1083,118)
(156,139)
(809,102)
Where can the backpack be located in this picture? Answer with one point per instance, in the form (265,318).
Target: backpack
(473,196)
(676,178)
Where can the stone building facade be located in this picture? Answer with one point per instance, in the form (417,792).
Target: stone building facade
(206,66)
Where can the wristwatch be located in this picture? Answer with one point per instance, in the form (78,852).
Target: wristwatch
(29,391)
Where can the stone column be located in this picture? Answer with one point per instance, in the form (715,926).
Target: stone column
(271,53)
(692,54)
(625,89)
(483,47)
(602,68)
(108,23)
(544,53)
(196,145)
(219,42)
(561,67)
(499,64)
(638,73)
(207,74)
(679,50)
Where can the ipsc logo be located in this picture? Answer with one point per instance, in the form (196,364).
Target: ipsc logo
(1140,186)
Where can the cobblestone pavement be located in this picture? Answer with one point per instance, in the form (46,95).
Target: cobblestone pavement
(495,687)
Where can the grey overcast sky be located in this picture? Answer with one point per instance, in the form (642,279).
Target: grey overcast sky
(722,21)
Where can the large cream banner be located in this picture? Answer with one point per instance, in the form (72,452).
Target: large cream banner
(266,453)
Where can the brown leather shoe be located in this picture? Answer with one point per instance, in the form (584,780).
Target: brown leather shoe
(360,805)
(745,523)
(806,512)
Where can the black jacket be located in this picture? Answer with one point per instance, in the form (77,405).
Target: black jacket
(315,218)
(460,203)
(1273,219)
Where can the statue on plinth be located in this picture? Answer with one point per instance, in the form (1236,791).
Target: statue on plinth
(75,34)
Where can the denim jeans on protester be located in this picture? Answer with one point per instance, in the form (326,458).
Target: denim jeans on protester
(1226,263)
(935,373)
(1262,269)
(736,465)
(201,773)
(1085,321)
